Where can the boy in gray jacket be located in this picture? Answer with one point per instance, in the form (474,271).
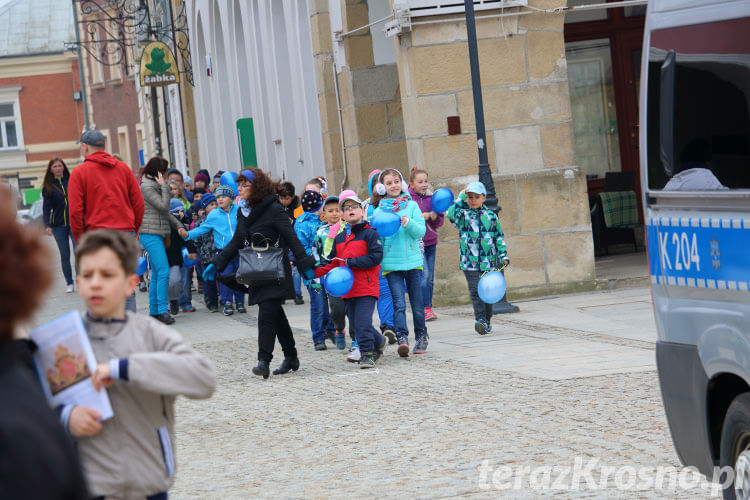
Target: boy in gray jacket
(143,364)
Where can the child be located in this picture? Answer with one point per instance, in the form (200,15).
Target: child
(402,258)
(145,366)
(223,223)
(318,185)
(481,246)
(385,301)
(306,226)
(179,293)
(322,245)
(418,190)
(207,250)
(216,182)
(359,248)
(201,180)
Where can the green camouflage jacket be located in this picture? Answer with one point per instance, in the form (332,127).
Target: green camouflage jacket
(481,240)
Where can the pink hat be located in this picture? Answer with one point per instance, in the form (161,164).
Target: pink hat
(347,193)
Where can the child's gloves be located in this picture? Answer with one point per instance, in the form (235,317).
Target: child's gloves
(316,287)
(308,274)
(209,273)
(506,262)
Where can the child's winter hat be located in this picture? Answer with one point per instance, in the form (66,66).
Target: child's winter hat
(206,200)
(187,180)
(175,205)
(311,201)
(331,199)
(371,180)
(202,177)
(224,191)
(218,174)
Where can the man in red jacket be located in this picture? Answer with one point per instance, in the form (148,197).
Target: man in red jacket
(103,193)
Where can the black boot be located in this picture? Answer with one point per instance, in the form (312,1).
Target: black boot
(286,365)
(262,369)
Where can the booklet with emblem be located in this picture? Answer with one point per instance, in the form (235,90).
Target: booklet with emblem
(65,362)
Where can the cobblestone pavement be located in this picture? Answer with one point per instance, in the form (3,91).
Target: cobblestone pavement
(430,426)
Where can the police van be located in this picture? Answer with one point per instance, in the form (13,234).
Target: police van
(695,157)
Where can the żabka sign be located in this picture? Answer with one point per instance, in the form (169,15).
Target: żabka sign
(158,66)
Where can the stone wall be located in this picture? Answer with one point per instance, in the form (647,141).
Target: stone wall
(529,141)
(396,116)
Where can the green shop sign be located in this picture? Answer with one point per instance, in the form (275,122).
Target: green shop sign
(158,66)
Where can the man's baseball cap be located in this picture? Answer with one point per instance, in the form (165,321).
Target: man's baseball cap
(476,187)
(92,138)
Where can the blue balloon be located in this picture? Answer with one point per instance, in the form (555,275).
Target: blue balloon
(339,281)
(186,261)
(385,223)
(228,179)
(491,287)
(441,200)
(142,266)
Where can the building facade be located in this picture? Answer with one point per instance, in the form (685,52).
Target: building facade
(41,113)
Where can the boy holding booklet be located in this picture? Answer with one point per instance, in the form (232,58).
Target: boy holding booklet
(143,363)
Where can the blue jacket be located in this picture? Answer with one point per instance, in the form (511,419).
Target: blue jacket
(306,226)
(55,204)
(222,223)
(401,252)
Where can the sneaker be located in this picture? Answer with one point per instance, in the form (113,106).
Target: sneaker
(381,349)
(299,300)
(69,288)
(142,287)
(341,340)
(420,346)
(403,347)
(190,309)
(429,315)
(164,318)
(213,309)
(320,346)
(241,308)
(228,311)
(367,361)
(174,307)
(354,355)
(331,335)
(482,327)
(388,332)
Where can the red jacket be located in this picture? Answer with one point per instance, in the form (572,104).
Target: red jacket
(103,193)
(361,251)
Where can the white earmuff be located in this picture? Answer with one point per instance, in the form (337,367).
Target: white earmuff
(380,188)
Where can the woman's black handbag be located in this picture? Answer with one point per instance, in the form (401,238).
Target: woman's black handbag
(260,263)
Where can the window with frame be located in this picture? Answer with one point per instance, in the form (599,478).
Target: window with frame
(8,126)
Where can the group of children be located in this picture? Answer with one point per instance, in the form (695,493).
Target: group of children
(406,264)
(334,229)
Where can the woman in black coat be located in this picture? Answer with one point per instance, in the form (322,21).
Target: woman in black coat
(264,220)
(55,213)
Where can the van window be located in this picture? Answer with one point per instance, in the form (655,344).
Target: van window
(709,119)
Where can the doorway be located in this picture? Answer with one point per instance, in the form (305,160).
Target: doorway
(603,50)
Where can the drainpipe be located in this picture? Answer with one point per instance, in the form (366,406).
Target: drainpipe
(80,68)
(341,123)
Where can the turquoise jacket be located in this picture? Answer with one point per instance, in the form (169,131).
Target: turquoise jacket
(402,252)
(223,224)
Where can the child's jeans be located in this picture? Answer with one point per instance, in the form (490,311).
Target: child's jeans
(210,294)
(227,294)
(186,295)
(359,311)
(481,310)
(413,279)
(338,312)
(320,318)
(297,282)
(428,274)
(385,302)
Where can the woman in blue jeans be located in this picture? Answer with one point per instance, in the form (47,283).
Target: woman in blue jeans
(55,213)
(155,229)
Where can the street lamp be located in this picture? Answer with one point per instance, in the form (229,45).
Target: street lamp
(485,174)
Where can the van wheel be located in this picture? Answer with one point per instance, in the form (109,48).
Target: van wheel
(735,447)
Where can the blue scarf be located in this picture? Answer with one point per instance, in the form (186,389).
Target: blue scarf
(394,204)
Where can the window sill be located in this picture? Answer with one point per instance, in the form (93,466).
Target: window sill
(97,85)
(114,81)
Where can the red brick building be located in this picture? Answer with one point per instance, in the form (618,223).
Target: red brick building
(41,113)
